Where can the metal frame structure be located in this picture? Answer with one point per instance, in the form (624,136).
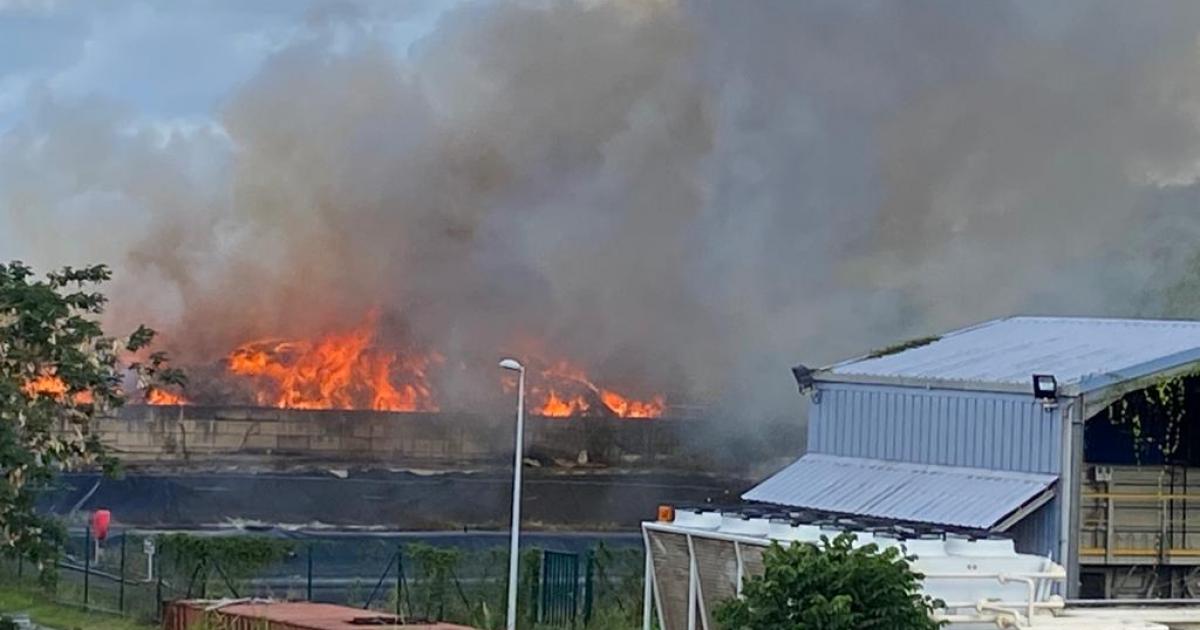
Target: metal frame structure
(1011,614)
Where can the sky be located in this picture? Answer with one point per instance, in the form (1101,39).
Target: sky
(166,60)
(693,194)
(167,66)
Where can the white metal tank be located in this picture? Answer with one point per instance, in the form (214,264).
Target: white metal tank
(698,518)
(744,524)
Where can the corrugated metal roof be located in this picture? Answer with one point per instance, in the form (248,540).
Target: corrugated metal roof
(945,495)
(1082,353)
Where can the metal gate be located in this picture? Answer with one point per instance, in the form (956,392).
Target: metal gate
(558,601)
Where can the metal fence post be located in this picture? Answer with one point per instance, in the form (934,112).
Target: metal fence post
(228,582)
(203,580)
(535,586)
(540,615)
(574,590)
(121,587)
(588,585)
(379,584)
(310,572)
(87,562)
(158,593)
(399,577)
(406,589)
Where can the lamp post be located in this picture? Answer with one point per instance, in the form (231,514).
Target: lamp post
(518,460)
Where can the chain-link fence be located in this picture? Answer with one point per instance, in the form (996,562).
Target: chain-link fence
(133,572)
(114,576)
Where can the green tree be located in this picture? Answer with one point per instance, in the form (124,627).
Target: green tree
(831,586)
(58,372)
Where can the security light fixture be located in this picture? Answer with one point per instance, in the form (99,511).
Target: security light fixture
(1045,387)
(804,378)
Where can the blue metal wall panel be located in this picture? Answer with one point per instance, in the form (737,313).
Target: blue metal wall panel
(1038,532)
(931,426)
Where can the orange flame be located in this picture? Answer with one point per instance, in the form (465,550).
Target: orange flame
(566,391)
(46,385)
(52,386)
(342,370)
(630,408)
(158,396)
(556,407)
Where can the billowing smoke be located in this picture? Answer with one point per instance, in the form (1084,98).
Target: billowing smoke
(684,197)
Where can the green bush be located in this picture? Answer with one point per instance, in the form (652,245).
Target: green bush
(440,584)
(831,586)
(222,561)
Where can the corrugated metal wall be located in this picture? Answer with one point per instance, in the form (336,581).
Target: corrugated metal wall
(1038,533)
(976,429)
(951,428)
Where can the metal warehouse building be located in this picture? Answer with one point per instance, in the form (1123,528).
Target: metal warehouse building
(1092,470)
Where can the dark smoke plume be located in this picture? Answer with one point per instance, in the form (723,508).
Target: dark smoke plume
(687,197)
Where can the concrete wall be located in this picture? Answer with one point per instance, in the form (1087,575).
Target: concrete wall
(188,433)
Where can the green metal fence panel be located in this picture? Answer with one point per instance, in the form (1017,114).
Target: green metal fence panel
(559,601)
(130,574)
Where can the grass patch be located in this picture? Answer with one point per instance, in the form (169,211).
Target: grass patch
(45,611)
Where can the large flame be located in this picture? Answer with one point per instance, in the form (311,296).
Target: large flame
(564,390)
(351,369)
(52,386)
(342,370)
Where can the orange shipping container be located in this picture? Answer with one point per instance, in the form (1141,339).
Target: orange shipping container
(269,615)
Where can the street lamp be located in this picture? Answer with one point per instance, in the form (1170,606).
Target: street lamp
(519,458)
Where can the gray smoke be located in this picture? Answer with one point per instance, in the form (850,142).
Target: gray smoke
(683,197)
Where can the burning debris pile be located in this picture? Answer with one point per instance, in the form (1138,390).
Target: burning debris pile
(563,390)
(357,368)
(343,370)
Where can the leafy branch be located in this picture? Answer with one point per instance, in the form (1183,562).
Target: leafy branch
(58,373)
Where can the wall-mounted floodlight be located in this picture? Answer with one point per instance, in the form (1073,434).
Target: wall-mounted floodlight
(804,378)
(1045,387)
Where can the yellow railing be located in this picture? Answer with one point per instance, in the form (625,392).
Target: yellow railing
(1140,496)
(1104,524)
(1140,552)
